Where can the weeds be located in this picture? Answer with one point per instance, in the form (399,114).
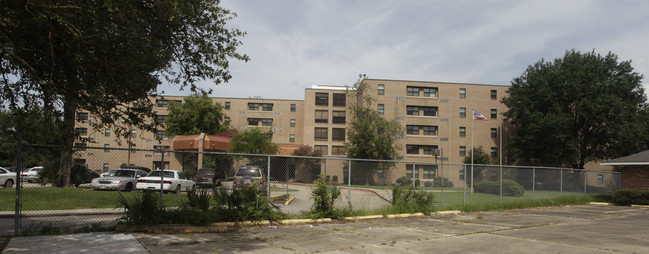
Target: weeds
(407,200)
(324,197)
(143,209)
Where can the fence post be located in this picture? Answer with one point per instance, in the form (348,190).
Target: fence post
(349,181)
(533,181)
(561,183)
(465,184)
(268,178)
(413,176)
(19,169)
(442,166)
(501,183)
(585,181)
(162,173)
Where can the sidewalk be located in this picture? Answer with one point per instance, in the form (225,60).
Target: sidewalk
(87,243)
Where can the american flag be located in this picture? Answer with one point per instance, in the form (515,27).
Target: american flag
(478,116)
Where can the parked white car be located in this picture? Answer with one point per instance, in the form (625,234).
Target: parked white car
(31,174)
(172,180)
(123,179)
(7,178)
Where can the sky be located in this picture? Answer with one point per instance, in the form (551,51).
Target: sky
(295,44)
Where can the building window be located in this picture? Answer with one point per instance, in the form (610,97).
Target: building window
(412,91)
(321,116)
(494,113)
(428,150)
(80,146)
(430,111)
(381,89)
(107,132)
(430,92)
(106,147)
(429,171)
(253,106)
(494,132)
(338,134)
(162,103)
(267,107)
(292,122)
(160,134)
(321,99)
(462,151)
(267,122)
(133,147)
(133,133)
(380,173)
(493,176)
(462,112)
(291,138)
(412,129)
(600,178)
(321,134)
(161,118)
(338,117)
(253,121)
(338,150)
(461,174)
(293,107)
(227,105)
(412,110)
(106,167)
(412,149)
(494,94)
(322,149)
(339,99)
(409,171)
(494,152)
(82,131)
(462,131)
(430,130)
(462,93)
(82,116)
(381,109)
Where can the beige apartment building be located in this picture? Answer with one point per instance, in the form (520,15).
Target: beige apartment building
(434,115)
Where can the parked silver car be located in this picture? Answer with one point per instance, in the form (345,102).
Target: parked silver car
(124,179)
(7,178)
(31,174)
(250,175)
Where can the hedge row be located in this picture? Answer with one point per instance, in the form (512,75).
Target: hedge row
(510,188)
(631,197)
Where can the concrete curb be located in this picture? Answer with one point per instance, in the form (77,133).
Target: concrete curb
(601,203)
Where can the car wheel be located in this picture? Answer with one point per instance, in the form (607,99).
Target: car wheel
(9,183)
(177,189)
(129,187)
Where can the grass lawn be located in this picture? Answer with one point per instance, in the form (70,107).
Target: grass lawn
(51,198)
(452,199)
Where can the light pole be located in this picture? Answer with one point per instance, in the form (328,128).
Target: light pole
(436,152)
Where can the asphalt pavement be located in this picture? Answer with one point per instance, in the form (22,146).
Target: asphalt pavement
(567,229)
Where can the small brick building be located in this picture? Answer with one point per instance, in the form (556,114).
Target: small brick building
(635,170)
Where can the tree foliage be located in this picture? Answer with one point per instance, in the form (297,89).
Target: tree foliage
(253,141)
(107,56)
(195,116)
(35,129)
(369,135)
(576,109)
(480,157)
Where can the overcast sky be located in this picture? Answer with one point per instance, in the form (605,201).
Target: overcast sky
(294,44)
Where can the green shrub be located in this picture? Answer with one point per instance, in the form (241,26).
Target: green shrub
(428,184)
(334,179)
(144,209)
(407,200)
(244,203)
(510,188)
(437,182)
(417,182)
(324,198)
(631,197)
(404,181)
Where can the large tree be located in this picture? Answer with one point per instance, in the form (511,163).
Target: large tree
(253,141)
(197,114)
(107,56)
(369,136)
(579,108)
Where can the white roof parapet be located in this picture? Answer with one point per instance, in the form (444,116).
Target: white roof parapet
(329,87)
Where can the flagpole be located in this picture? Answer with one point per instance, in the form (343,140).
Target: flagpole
(472,152)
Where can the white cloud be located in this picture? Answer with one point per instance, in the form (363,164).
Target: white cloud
(294,44)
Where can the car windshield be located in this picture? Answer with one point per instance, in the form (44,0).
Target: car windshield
(205,172)
(166,174)
(125,173)
(251,172)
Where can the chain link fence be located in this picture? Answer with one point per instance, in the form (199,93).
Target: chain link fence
(364,184)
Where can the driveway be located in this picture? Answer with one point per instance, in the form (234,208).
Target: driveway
(568,229)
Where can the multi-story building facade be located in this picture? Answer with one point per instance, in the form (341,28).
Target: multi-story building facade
(434,115)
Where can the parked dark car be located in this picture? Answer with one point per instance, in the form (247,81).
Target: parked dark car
(80,174)
(208,177)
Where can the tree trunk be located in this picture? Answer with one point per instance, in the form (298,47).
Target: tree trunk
(67,148)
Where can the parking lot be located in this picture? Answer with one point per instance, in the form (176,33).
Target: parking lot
(572,229)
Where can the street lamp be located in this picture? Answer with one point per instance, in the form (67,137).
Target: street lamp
(437,152)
